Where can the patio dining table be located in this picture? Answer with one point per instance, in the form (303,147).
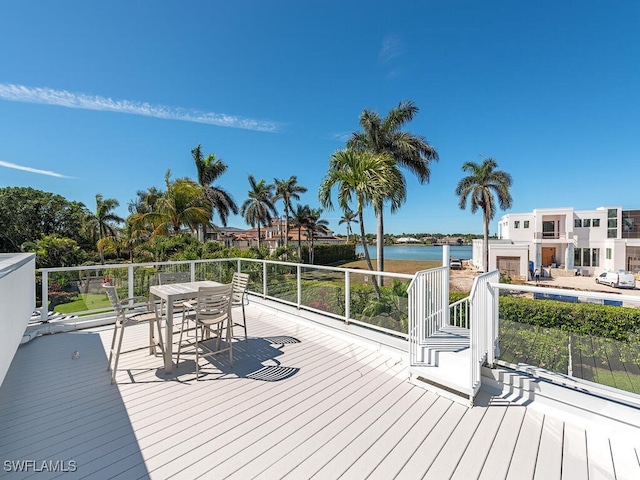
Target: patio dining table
(171,293)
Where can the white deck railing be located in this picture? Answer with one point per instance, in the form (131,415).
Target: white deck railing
(331,291)
(428,309)
(483,325)
(17,302)
(459,313)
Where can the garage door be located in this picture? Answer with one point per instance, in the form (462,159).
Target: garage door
(509,266)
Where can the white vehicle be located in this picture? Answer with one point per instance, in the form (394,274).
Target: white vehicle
(620,279)
(455,264)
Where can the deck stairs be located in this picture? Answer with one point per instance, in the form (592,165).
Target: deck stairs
(450,343)
(446,364)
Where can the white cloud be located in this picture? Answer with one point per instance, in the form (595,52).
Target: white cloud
(32,170)
(48,96)
(391,48)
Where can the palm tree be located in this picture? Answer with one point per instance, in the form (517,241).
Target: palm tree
(285,191)
(102,222)
(299,219)
(210,169)
(258,208)
(349,217)
(183,204)
(314,224)
(479,186)
(367,179)
(385,136)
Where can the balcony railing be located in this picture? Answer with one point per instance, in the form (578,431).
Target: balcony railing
(552,236)
(340,293)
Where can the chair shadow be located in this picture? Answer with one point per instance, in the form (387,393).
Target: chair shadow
(254,359)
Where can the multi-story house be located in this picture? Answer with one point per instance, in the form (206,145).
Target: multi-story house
(587,242)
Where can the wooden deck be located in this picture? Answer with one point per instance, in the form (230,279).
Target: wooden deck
(298,403)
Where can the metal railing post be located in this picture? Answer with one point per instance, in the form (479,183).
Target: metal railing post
(347,297)
(264,279)
(44,309)
(299,284)
(130,281)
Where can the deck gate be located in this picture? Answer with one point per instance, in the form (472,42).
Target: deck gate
(428,310)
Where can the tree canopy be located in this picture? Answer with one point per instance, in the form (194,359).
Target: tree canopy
(26,214)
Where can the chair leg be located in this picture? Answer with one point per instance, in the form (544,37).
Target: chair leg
(197,355)
(113,344)
(180,340)
(244,323)
(229,339)
(117,357)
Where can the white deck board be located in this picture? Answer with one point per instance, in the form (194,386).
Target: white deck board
(549,460)
(574,458)
(298,403)
(524,458)
(600,461)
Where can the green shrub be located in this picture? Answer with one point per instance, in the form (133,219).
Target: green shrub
(618,323)
(330,254)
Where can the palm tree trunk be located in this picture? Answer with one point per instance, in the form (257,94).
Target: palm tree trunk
(366,253)
(380,244)
(486,243)
(258,235)
(286,226)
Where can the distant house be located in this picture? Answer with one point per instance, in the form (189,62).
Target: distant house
(271,236)
(582,241)
(407,240)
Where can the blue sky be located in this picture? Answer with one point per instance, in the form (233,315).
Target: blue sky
(105,97)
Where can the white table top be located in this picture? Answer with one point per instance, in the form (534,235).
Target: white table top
(179,291)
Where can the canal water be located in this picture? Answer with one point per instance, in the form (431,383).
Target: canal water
(418,252)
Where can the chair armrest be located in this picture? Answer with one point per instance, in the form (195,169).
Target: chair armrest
(137,302)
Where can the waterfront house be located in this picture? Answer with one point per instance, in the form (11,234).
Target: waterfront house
(585,242)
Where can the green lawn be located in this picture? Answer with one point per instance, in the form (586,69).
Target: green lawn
(84,302)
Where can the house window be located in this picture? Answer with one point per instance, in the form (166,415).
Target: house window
(608,253)
(526,224)
(577,223)
(596,222)
(586,257)
(612,223)
(516,224)
(586,222)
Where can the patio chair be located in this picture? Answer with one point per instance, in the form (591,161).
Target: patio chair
(211,313)
(131,311)
(240,282)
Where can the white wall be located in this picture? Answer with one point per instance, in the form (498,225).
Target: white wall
(17,302)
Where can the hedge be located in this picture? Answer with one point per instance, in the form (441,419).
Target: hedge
(324,254)
(618,323)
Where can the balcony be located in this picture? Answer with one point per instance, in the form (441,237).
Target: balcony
(562,236)
(312,393)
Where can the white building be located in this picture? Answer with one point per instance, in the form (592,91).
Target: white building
(584,241)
